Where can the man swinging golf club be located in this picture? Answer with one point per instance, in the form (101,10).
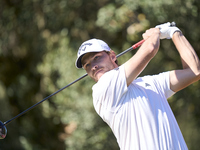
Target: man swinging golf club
(136,108)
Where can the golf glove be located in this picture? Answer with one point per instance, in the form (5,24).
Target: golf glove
(167,30)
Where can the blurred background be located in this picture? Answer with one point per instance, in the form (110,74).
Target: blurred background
(39,40)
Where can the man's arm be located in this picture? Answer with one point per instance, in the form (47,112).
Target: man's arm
(190,73)
(135,65)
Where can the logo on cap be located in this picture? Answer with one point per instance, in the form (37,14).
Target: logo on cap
(83,47)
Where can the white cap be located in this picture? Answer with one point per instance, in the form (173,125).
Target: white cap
(92,45)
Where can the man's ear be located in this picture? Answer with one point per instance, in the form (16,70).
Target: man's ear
(113,55)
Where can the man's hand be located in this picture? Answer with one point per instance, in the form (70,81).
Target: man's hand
(148,33)
(167,31)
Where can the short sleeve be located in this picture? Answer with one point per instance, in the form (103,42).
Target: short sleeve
(162,82)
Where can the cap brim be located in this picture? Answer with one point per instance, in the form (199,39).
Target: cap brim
(78,62)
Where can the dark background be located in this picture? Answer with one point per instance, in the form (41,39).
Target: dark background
(39,40)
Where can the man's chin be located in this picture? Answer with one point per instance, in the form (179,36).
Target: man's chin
(98,77)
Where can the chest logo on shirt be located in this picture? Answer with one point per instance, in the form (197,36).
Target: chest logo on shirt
(147,84)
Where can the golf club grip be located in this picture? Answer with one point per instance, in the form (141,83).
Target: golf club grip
(172,24)
(131,48)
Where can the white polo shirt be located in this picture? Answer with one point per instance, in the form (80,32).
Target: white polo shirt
(139,115)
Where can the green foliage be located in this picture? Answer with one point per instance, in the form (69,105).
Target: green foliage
(38,45)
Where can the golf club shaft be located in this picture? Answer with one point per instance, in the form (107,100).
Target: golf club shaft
(7,122)
(122,53)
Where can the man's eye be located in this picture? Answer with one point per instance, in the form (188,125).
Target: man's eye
(96,57)
(86,65)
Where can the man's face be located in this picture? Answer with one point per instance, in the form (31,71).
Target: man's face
(98,63)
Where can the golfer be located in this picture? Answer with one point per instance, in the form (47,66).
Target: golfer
(136,108)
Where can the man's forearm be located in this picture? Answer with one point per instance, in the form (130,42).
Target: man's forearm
(135,65)
(188,55)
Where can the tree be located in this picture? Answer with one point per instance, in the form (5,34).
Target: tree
(38,45)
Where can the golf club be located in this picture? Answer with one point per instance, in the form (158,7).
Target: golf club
(3,130)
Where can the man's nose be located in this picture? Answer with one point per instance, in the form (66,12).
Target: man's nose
(94,66)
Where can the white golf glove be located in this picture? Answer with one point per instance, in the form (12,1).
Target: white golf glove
(167,30)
